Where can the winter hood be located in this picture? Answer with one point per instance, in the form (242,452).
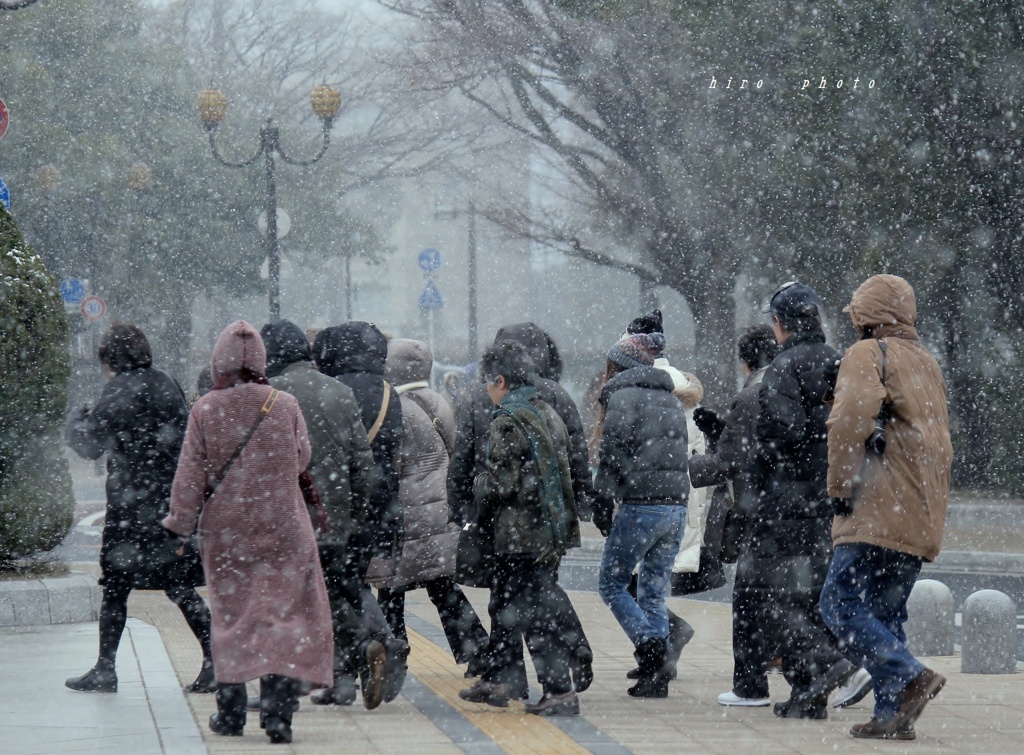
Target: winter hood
(886,302)
(286,344)
(351,347)
(637,377)
(238,348)
(408,361)
(539,346)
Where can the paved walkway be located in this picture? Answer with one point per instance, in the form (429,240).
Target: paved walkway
(150,714)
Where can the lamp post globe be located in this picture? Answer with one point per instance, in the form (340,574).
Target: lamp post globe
(213,106)
(325,101)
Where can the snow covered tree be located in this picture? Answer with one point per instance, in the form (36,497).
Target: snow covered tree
(36,503)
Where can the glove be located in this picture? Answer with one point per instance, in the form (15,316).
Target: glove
(841,506)
(603,521)
(709,423)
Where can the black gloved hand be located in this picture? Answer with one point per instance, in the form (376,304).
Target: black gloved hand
(709,423)
(841,506)
(603,521)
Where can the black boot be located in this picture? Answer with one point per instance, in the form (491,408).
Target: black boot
(100,678)
(229,720)
(205,682)
(679,635)
(395,667)
(277,701)
(653,681)
(342,693)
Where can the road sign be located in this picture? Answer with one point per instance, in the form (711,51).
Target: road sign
(5,195)
(93,308)
(429,260)
(431,297)
(5,118)
(284,223)
(72,291)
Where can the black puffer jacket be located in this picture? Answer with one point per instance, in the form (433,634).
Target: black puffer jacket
(791,540)
(355,353)
(139,422)
(644,448)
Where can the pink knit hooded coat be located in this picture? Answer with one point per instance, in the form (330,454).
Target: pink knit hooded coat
(267,596)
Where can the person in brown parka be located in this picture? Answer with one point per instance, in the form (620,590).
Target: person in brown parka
(889,497)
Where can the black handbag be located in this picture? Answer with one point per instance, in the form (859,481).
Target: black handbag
(474,559)
(726,527)
(710,575)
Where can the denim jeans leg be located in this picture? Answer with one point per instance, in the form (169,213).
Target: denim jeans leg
(635,530)
(656,569)
(871,626)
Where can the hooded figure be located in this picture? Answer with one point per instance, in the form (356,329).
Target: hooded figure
(429,540)
(901,503)
(889,500)
(355,353)
(341,462)
(267,597)
(428,430)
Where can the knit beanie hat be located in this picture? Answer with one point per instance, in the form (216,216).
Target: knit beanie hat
(650,324)
(635,350)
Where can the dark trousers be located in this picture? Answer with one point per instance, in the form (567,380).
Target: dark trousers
(343,592)
(807,646)
(527,599)
(277,700)
(751,628)
(114,614)
(466,635)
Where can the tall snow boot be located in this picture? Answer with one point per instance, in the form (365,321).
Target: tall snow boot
(653,681)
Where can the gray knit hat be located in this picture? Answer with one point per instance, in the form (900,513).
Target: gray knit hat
(634,350)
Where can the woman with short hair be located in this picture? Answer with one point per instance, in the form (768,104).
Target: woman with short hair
(139,422)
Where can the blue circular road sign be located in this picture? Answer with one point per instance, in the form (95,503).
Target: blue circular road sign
(72,291)
(429,260)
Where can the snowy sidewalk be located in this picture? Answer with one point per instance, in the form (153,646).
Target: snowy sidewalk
(151,714)
(147,715)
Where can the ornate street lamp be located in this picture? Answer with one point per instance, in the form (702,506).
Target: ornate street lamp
(213,106)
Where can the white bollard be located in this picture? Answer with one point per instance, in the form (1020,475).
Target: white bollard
(931,619)
(989,644)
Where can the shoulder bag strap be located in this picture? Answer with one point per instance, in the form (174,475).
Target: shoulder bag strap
(264,411)
(380,415)
(434,420)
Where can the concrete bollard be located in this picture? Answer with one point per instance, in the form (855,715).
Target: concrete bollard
(931,619)
(989,644)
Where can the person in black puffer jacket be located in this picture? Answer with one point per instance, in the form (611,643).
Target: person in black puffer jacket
(355,353)
(643,470)
(791,543)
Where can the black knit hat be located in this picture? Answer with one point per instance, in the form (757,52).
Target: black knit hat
(647,323)
(650,325)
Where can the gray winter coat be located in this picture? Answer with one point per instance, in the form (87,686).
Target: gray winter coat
(429,541)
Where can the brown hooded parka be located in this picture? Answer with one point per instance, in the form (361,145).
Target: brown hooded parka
(900,498)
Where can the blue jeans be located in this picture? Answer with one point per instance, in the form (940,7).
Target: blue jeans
(864,602)
(648,536)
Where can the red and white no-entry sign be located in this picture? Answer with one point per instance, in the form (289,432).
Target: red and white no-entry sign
(93,308)
(5,118)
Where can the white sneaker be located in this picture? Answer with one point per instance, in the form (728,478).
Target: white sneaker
(853,690)
(734,700)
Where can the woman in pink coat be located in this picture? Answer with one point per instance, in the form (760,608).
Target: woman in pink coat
(271,617)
